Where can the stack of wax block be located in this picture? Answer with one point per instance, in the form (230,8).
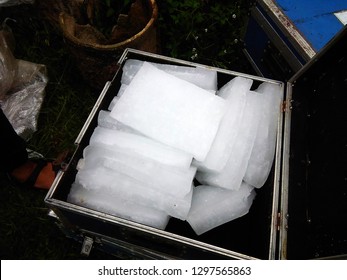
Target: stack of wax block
(231,175)
(251,148)
(124,163)
(169,127)
(116,205)
(138,172)
(228,131)
(250,155)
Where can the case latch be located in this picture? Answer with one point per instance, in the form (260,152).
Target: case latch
(87,246)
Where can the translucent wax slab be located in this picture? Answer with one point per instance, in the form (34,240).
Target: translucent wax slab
(262,156)
(105,121)
(141,145)
(233,172)
(167,179)
(213,206)
(235,92)
(113,102)
(114,205)
(201,77)
(121,90)
(170,110)
(116,184)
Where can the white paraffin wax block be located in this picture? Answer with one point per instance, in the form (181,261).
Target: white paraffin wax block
(100,178)
(105,121)
(170,110)
(239,84)
(117,206)
(235,92)
(113,102)
(213,206)
(233,172)
(121,90)
(260,162)
(141,145)
(130,68)
(204,78)
(167,179)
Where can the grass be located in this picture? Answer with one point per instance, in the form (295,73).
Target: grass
(26,230)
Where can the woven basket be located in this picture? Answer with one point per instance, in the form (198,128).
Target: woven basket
(97,61)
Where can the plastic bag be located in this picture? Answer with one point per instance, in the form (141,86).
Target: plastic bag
(22,86)
(5,3)
(23,103)
(7,61)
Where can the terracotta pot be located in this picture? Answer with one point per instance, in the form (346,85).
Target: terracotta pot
(96,60)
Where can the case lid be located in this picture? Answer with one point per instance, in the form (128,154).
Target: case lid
(314,193)
(310,24)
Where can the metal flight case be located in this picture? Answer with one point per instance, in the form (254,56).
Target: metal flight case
(300,212)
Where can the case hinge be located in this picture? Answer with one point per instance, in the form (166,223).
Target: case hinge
(280,220)
(286,106)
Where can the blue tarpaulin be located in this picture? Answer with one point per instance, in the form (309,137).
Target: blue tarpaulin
(314,19)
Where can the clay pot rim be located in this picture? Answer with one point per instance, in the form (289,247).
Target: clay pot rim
(110,47)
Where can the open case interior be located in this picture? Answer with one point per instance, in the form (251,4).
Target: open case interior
(250,235)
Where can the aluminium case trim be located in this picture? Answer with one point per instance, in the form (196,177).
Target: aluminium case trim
(194,64)
(273,36)
(93,112)
(288,28)
(282,246)
(252,62)
(277,184)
